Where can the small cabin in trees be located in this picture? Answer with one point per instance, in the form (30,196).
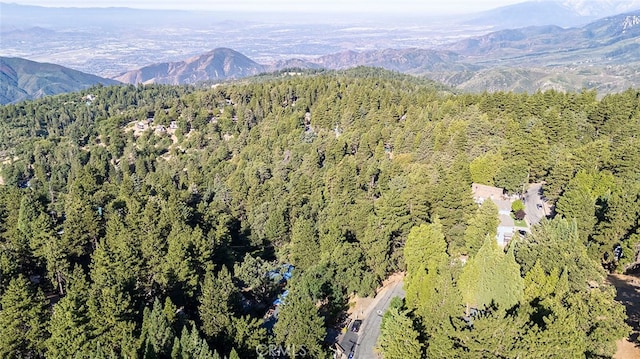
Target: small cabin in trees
(506,227)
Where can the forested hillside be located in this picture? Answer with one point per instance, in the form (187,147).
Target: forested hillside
(21,79)
(154,221)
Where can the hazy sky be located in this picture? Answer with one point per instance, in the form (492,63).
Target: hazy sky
(376,6)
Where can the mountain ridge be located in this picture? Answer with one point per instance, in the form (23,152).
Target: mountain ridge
(563,13)
(584,43)
(218,64)
(22,79)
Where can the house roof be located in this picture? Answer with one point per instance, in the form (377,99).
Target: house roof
(481,191)
(504,205)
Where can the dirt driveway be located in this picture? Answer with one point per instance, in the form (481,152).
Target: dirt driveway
(628,293)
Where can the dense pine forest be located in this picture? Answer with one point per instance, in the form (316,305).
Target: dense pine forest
(158,221)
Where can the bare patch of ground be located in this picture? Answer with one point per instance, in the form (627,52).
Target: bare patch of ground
(628,293)
(626,350)
(360,307)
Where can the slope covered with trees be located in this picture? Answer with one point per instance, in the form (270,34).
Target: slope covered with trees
(543,298)
(165,238)
(21,79)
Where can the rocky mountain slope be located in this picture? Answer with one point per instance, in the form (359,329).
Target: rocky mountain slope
(21,79)
(602,41)
(414,61)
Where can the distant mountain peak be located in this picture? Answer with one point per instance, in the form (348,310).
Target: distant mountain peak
(217,64)
(564,13)
(599,8)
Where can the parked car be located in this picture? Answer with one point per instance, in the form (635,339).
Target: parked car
(355,327)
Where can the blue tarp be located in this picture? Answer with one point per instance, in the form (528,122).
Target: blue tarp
(283,274)
(288,273)
(281,298)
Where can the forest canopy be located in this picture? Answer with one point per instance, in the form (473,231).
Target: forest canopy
(143,221)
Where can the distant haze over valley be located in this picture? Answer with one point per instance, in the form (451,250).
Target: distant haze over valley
(107,42)
(290,6)
(495,49)
(351,7)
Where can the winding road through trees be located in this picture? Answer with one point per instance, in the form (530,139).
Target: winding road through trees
(370,329)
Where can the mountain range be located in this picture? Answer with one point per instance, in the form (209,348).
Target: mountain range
(603,54)
(598,55)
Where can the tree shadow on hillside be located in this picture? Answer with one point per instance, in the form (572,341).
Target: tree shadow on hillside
(628,293)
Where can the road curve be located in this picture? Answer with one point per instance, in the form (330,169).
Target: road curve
(370,330)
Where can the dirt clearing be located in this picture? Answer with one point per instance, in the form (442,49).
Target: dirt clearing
(628,293)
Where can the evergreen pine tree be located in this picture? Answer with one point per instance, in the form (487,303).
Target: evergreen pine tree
(192,346)
(559,336)
(425,244)
(299,325)
(577,203)
(248,334)
(304,244)
(495,334)
(483,224)
(157,335)
(233,354)
(22,320)
(491,278)
(484,168)
(69,327)
(110,305)
(217,302)
(179,270)
(48,247)
(398,339)
(539,285)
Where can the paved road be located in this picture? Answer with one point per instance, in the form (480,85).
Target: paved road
(349,342)
(533,198)
(370,329)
